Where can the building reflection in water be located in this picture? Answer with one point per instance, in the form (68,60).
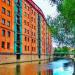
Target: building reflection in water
(44,71)
(24,69)
(18,69)
(30,69)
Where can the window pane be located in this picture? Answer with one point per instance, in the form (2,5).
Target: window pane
(8,23)
(8,33)
(8,2)
(3,21)
(25,6)
(8,13)
(3,44)
(3,10)
(3,32)
(8,45)
(25,48)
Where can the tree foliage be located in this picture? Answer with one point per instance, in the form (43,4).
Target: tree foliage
(67,9)
(63,27)
(62,50)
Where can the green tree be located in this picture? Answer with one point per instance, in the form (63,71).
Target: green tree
(61,51)
(66,8)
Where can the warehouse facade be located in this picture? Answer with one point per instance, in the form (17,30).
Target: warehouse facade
(23,31)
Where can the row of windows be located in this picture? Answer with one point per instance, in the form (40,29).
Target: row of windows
(33,27)
(4,22)
(27,7)
(27,48)
(27,23)
(27,39)
(33,41)
(27,31)
(32,19)
(8,1)
(3,33)
(33,34)
(4,11)
(3,45)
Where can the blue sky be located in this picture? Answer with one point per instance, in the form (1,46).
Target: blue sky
(47,8)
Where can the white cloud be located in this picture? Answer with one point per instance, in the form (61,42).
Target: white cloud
(47,8)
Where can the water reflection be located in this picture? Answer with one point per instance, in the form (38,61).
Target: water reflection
(62,67)
(34,69)
(18,69)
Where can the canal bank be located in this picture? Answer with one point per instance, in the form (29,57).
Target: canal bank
(24,58)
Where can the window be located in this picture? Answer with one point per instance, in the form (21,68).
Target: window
(25,22)
(25,6)
(8,33)
(3,32)
(31,18)
(25,30)
(28,48)
(3,21)
(28,23)
(4,0)
(8,23)
(32,40)
(32,33)
(32,11)
(25,14)
(28,8)
(28,15)
(35,27)
(32,26)
(8,13)
(3,44)
(8,2)
(8,45)
(3,10)
(25,38)
(25,47)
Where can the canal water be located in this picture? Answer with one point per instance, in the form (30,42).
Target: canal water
(31,68)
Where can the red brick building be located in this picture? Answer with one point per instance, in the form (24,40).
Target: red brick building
(23,31)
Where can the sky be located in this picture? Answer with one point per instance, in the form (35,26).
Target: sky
(47,8)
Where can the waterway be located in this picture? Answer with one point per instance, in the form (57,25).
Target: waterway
(32,68)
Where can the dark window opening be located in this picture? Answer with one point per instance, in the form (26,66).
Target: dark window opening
(3,21)
(3,32)
(8,33)
(3,44)
(3,10)
(8,13)
(8,2)
(8,45)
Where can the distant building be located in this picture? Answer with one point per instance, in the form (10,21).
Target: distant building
(23,31)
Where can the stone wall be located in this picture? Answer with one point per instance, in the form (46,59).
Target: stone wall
(24,58)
